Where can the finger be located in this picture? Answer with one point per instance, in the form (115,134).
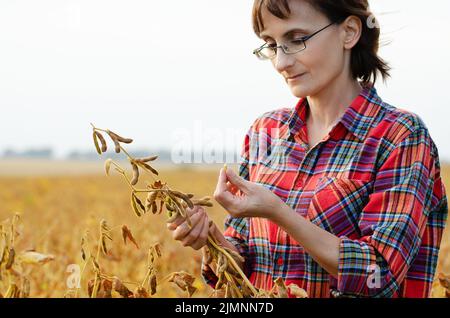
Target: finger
(203,237)
(194,239)
(205,234)
(193,235)
(173,225)
(177,222)
(222,182)
(221,194)
(232,188)
(183,229)
(236,180)
(206,255)
(194,210)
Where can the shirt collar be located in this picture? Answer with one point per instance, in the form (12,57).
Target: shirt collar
(357,119)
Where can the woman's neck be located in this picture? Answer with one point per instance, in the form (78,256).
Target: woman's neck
(330,104)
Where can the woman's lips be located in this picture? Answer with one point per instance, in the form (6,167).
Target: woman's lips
(294,78)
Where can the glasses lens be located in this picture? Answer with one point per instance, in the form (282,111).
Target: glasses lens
(266,53)
(295,46)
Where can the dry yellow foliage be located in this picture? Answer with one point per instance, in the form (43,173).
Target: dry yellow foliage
(56,212)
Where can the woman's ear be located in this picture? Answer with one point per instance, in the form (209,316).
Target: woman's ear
(352,29)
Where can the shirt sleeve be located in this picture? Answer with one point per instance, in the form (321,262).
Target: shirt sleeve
(236,229)
(393,221)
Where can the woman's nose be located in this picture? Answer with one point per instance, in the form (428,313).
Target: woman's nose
(283,61)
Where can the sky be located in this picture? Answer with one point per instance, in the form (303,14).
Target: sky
(158,70)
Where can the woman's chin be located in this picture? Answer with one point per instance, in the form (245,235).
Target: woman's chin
(299,91)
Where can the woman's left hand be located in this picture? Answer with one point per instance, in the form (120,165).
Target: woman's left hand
(242,198)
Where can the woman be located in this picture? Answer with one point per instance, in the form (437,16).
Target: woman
(342,194)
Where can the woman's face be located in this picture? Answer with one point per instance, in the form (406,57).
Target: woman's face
(309,71)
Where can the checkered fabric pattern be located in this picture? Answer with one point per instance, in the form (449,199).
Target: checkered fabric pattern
(374,181)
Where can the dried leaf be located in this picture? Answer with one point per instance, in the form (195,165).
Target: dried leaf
(106,289)
(34,258)
(148,167)
(119,287)
(135,178)
(104,247)
(154,252)
(97,146)
(91,283)
(108,166)
(161,205)
(153,284)
(184,281)
(169,206)
(94,262)
(102,141)
(139,202)
(3,255)
(297,291)
(137,206)
(126,234)
(147,159)
(13,291)
(157,185)
(116,146)
(205,201)
(105,230)
(157,248)
(151,197)
(140,292)
(25,290)
(115,136)
(11,258)
(222,263)
(444,280)
(191,290)
(184,197)
(282,290)
(154,208)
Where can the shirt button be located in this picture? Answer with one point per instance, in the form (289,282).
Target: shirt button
(280,261)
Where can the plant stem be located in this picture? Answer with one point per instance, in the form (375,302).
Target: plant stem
(233,262)
(94,291)
(81,276)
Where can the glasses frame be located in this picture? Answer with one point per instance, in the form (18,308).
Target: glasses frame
(284,47)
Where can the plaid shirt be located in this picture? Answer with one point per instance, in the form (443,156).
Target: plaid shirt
(374,181)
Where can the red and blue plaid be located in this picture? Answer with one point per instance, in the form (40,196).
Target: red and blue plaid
(374,181)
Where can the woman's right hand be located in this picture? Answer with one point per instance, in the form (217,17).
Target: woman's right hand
(196,236)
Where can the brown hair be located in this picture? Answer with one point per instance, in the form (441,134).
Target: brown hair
(365,62)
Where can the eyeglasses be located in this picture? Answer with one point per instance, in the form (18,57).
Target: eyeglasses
(269,51)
